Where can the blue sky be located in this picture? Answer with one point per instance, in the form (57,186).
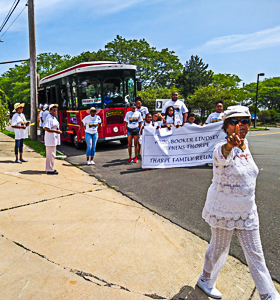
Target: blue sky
(236,37)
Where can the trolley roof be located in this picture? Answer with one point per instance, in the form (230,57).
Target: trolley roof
(87,67)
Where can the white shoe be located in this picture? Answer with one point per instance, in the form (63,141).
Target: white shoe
(212,292)
(92,162)
(88,162)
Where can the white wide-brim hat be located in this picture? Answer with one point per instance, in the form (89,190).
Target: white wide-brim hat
(236,111)
(93,108)
(18,105)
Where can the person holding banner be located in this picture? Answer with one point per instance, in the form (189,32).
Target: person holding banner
(230,207)
(20,125)
(170,119)
(216,116)
(180,109)
(132,125)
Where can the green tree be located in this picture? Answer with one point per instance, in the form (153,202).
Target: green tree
(204,98)
(230,82)
(3,109)
(194,75)
(268,93)
(16,84)
(264,116)
(49,63)
(155,68)
(150,94)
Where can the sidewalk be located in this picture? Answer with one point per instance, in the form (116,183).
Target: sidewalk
(71,237)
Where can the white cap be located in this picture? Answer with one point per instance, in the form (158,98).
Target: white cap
(236,111)
(45,106)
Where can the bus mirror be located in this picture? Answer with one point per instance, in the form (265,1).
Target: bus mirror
(139,85)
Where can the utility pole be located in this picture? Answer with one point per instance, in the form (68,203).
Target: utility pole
(33,69)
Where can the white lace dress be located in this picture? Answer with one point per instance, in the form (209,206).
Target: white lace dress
(230,202)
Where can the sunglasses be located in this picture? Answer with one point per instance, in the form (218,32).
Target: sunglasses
(242,121)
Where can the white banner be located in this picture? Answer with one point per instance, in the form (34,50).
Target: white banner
(186,146)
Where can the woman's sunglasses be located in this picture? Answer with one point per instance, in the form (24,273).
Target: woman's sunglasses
(236,121)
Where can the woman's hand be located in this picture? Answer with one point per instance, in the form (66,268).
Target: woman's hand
(233,140)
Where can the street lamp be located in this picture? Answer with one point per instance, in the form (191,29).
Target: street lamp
(255,123)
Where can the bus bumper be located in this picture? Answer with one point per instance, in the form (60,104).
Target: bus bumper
(112,138)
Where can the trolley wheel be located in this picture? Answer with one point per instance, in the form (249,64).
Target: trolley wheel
(124,141)
(76,143)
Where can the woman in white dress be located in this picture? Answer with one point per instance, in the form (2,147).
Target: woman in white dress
(20,125)
(230,207)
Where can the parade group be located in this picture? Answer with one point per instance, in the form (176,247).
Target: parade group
(230,204)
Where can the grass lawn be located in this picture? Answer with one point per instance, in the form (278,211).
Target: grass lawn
(35,145)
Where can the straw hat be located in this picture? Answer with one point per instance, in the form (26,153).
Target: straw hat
(236,111)
(52,105)
(93,108)
(18,105)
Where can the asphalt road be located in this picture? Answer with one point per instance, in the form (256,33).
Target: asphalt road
(179,194)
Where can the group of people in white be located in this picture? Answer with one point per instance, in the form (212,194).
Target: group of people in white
(174,113)
(50,133)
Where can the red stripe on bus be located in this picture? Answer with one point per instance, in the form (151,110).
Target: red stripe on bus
(76,67)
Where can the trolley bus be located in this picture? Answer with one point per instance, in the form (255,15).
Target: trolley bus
(108,86)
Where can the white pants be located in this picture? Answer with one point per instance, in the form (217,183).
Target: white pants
(50,156)
(217,252)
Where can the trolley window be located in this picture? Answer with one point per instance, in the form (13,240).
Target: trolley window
(129,90)
(90,90)
(113,92)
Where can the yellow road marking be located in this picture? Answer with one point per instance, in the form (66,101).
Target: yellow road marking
(268,133)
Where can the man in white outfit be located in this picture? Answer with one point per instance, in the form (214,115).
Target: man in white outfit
(180,109)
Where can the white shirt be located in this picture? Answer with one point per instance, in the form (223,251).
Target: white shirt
(151,124)
(45,115)
(41,116)
(179,109)
(91,123)
(143,111)
(214,117)
(133,119)
(18,120)
(230,199)
(51,138)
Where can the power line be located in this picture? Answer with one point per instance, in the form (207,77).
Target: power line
(13,61)
(9,14)
(13,21)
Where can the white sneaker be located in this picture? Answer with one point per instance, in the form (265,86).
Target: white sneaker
(92,162)
(88,162)
(213,292)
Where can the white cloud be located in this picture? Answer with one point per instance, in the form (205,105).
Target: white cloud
(242,42)
(96,6)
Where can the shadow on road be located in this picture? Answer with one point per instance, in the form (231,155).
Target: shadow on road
(190,293)
(131,171)
(33,172)
(116,162)
(7,162)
